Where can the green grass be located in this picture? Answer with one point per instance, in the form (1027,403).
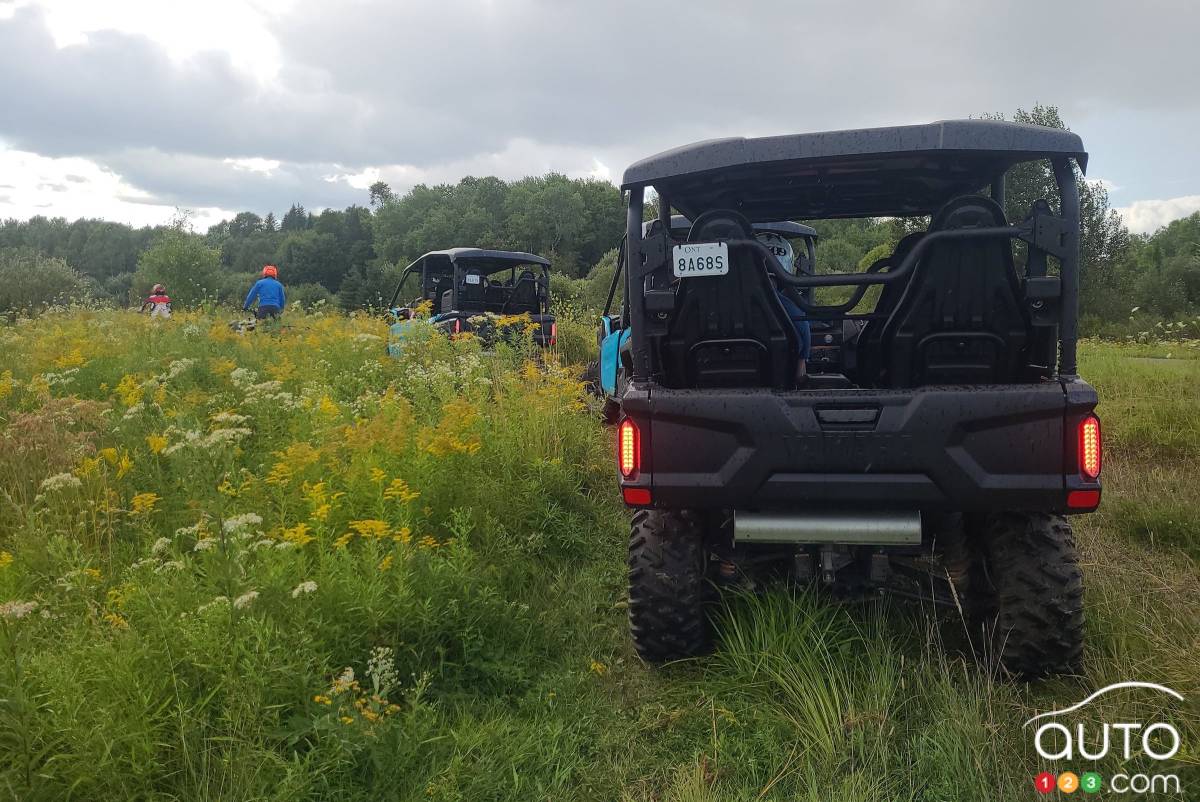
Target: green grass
(508,672)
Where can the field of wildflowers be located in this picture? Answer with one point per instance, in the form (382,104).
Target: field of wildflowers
(281,565)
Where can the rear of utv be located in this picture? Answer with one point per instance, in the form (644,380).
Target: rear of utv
(491,294)
(936,454)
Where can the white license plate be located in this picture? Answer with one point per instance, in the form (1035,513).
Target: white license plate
(696,260)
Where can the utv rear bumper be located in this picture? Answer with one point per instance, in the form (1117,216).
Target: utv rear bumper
(991,447)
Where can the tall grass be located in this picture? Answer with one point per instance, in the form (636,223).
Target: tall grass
(283,566)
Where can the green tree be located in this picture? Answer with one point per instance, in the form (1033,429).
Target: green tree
(183,263)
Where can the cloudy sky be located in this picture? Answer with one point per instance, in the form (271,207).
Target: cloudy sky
(128,109)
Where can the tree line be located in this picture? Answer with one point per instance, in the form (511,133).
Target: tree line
(353,257)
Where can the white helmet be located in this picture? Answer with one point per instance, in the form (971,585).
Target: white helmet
(782,249)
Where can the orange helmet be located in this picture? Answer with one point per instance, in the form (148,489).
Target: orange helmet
(270,271)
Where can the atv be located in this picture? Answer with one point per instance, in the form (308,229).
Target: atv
(606,375)
(479,291)
(943,451)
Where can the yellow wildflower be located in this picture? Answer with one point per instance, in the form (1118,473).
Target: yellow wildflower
(298,534)
(144,503)
(156,442)
(321,513)
(222,365)
(429,542)
(124,465)
(398,489)
(599,668)
(403,536)
(385,563)
(322,700)
(7,383)
(129,390)
(341,542)
(226,488)
(160,395)
(281,474)
(72,359)
(377,475)
(347,720)
(6,559)
(116,621)
(370,528)
(88,466)
(326,406)
(110,455)
(94,573)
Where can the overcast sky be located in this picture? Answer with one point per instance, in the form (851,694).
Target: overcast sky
(128,109)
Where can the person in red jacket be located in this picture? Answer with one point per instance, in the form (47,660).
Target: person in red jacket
(158,302)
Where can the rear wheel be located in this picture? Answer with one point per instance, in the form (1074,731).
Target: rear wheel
(669,589)
(1028,593)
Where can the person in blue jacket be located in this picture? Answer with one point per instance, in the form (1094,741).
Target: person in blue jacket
(784,253)
(269,293)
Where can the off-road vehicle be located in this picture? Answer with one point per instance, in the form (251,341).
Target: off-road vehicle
(944,455)
(470,289)
(608,373)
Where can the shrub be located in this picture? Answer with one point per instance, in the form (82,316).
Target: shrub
(30,280)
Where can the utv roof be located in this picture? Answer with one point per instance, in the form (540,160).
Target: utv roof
(902,170)
(489,261)
(680,226)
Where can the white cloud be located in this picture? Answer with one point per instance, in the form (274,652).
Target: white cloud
(254,165)
(237,27)
(74,187)
(1147,216)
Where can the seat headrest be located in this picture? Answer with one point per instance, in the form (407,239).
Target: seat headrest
(720,224)
(969,211)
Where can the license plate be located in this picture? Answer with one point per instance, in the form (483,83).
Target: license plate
(696,260)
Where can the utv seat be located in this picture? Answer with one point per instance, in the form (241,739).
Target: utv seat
(524,295)
(730,330)
(960,319)
(472,292)
(868,359)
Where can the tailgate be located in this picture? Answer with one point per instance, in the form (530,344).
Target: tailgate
(976,447)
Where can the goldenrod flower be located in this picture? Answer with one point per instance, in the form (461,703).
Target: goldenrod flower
(144,503)
(599,668)
(281,474)
(404,535)
(6,559)
(298,534)
(385,563)
(72,359)
(370,528)
(377,475)
(156,442)
(129,390)
(343,540)
(116,621)
(400,490)
(124,465)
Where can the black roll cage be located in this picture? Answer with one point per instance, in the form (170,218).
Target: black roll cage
(646,263)
(459,264)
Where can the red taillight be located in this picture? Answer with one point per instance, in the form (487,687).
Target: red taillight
(1089,447)
(636,496)
(629,448)
(1083,499)
(554,333)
